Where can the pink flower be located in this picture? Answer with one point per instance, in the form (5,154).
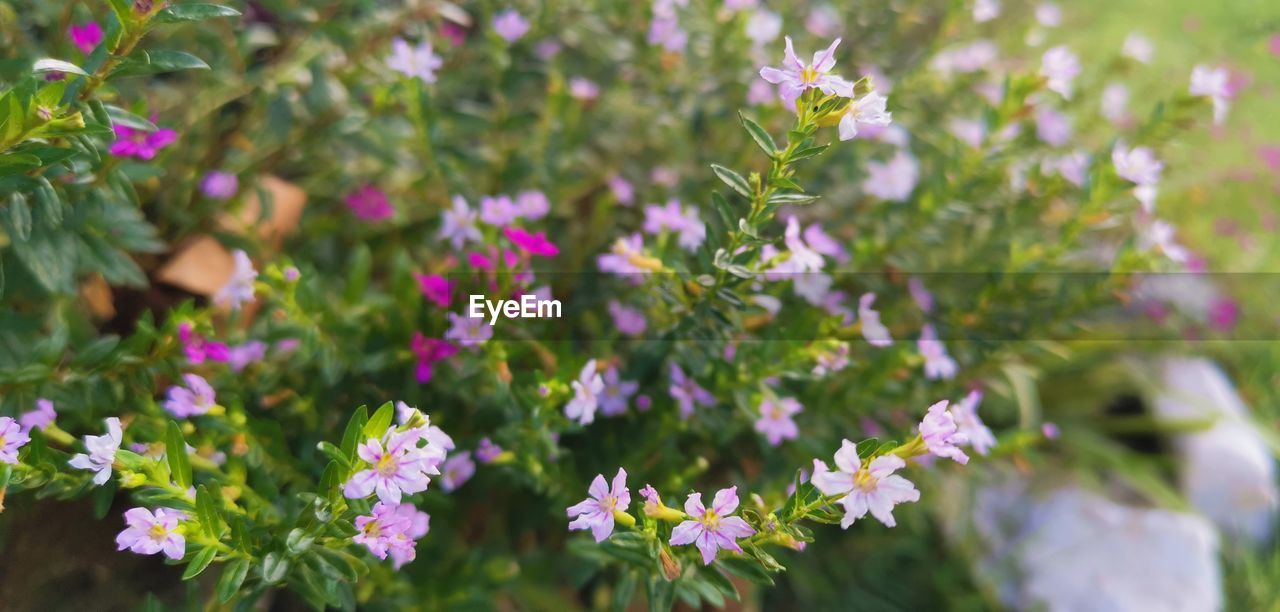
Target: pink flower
(39,418)
(396,466)
(673,217)
(586,395)
(794,77)
(1052,127)
(875,332)
(1060,67)
(1213,83)
(418,423)
(623,257)
(712,529)
(920,294)
(510,25)
(893,180)
(198,349)
(219,185)
(937,363)
(102,452)
(12,438)
(85,36)
(596,511)
(368,203)
(687,392)
(775,420)
(436,288)
(414,62)
(392,529)
(428,351)
(239,288)
(148,533)
(628,320)
(872,488)
(1138,47)
(498,210)
(971,426)
(140,144)
(195,398)
(622,190)
(533,205)
(457,469)
(941,433)
(239,357)
(613,399)
(468,332)
(533,244)
(583,89)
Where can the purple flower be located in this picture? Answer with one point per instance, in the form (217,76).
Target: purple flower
(467,331)
(874,488)
(458,224)
(397,466)
(586,395)
(937,363)
(12,438)
(418,423)
(487,451)
(147,533)
(368,203)
(712,529)
(457,470)
(941,433)
(622,190)
(1115,102)
(239,288)
(613,399)
(971,426)
(140,144)
(102,452)
(195,398)
(414,62)
(584,89)
(1052,127)
(833,360)
(672,217)
(775,420)
(626,257)
(596,511)
(628,320)
(85,36)
(1138,47)
(763,27)
(219,185)
(1060,67)
(40,418)
(686,392)
(795,76)
(893,180)
(253,351)
(498,210)
(533,205)
(510,25)
(920,294)
(870,110)
(392,529)
(1213,83)
(875,332)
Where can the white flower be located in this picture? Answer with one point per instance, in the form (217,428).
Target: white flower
(985,10)
(1060,66)
(893,180)
(1213,83)
(937,363)
(1138,47)
(1115,102)
(764,27)
(875,332)
(873,488)
(1159,234)
(586,395)
(870,110)
(971,426)
(1138,165)
(239,288)
(102,452)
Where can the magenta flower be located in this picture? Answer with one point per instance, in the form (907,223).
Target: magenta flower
(428,351)
(195,398)
(414,62)
(586,395)
(436,288)
(40,418)
(937,363)
(971,426)
(775,420)
(467,331)
(873,488)
(596,512)
(613,399)
(533,244)
(795,76)
(219,185)
(686,392)
(628,320)
(12,438)
(487,451)
(397,466)
(456,470)
(875,332)
(239,288)
(510,25)
(198,349)
(102,452)
(942,435)
(392,529)
(368,203)
(140,144)
(712,529)
(85,36)
(458,224)
(147,533)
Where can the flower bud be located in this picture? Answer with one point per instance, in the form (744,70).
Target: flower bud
(624,519)
(670,567)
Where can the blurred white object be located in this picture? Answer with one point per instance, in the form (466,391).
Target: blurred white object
(1073,550)
(1227,472)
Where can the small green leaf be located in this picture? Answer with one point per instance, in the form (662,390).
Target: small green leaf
(334,453)
(193,12)
(274,568)
(379,422)
(732,179)
(54,65)
(158,62)
(200,562)
(808,152)
(207,512)
(18,217)
(351,435)
(792,198)
(233,576)
(123,117)
(175,450)
(758,134)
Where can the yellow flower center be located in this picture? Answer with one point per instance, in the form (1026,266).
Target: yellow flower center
(865,481)
(809,75)
(157,532)
(710,520)
(387,465)
(373,529)
(609,503)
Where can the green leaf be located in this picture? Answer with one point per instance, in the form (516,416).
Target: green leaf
(175,450)
(49,64)
(233,576)
(732,179)
(792,198)
(50,257)
(358,273)
(379,422)
(158,62)
(274,568)
(49,204)
(200,562)
(193,12)
(18,163)
(807,153)
(758,134)
(123,117)
(207,512)
(334,453)
(351,435)
(18,217)
(298,541)
(746,568)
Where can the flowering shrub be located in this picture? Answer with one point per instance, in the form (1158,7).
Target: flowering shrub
(766,258)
